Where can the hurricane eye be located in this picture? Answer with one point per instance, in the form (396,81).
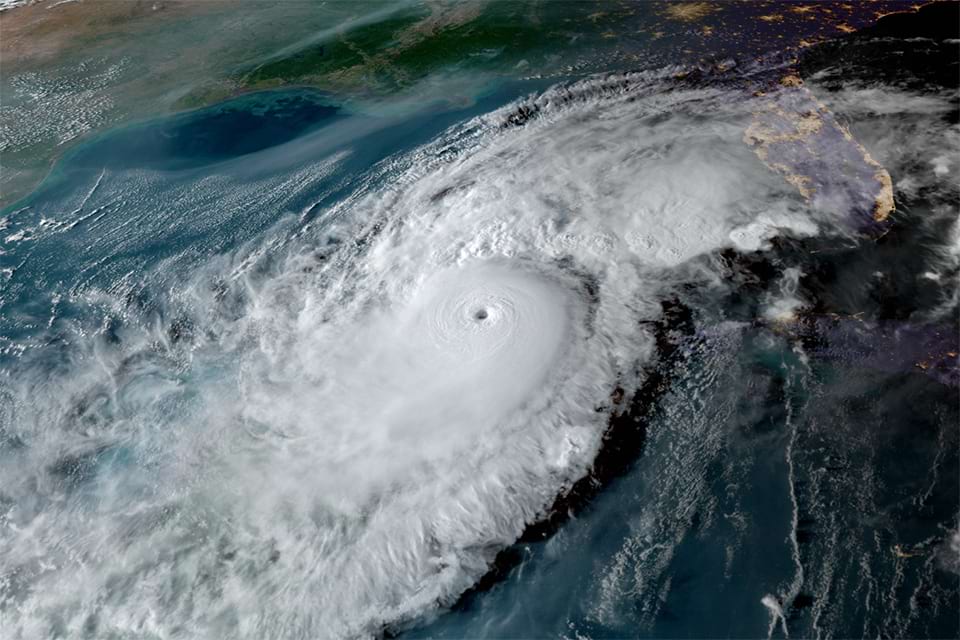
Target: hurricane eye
(480,314)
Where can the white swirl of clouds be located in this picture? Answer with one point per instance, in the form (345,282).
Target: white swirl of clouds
(429,367)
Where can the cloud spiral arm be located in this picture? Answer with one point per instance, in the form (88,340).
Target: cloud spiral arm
(427,369)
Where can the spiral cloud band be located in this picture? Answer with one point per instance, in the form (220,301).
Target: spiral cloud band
(359,429)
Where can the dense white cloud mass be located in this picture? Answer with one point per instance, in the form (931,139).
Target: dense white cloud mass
(350,436)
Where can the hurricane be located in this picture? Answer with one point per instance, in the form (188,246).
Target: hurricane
(318,389)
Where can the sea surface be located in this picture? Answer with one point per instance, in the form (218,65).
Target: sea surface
(253,379)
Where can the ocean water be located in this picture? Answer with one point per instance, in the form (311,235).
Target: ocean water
(285,367)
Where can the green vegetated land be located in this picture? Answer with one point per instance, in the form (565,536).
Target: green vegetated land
(119,64)
(396,52)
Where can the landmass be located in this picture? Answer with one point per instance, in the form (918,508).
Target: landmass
(119,62)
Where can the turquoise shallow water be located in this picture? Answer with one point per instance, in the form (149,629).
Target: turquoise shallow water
(98,187)
(790,479)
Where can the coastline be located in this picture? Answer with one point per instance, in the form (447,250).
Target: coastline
(164,67)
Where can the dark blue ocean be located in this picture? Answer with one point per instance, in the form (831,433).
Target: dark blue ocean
(788,481)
